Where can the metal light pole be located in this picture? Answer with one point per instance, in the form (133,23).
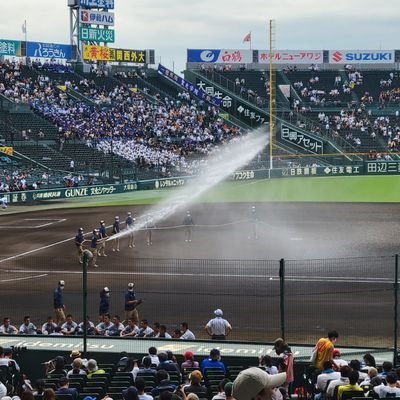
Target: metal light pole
(87,255)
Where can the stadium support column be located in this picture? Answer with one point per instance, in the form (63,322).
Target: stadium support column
(74,28)
(395,324)
(282,295)
(86,257)
(271,89)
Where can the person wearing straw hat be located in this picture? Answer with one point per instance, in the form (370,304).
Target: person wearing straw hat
(256,384)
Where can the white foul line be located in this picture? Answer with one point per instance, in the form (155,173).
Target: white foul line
(22,279)
(52,222)
(316,279)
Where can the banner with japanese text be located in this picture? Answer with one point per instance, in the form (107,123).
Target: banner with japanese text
(96,17)
(106,4)
(190,87)
(48,50)
(6,150)
(302,140)
(291,57)
(222,56)
(10,48)
(96,35)
(102,53)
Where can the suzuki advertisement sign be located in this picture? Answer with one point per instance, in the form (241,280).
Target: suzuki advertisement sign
(221,56)
(96,17)
(361,56)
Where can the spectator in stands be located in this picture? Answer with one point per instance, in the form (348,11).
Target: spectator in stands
(337,359)
(131,393)
(57,366)
(63,388)
(77,368)
(221,392)
(218,328)
(266,363)
(355,365)
(91,329)
(146,369)
(372,373)
(6,358)
(3,390)
(6,328)
(253,383)
(166,364)
(323,350)
(140,384)
(49,394)
(28,395)
(163,334)
(343,380)
(195,386)
(369,361)
(189,361)
(27,328)
(154,357)
(93,369)
(186,333)
(49,326)
(352,386)
(163,383)
(327,374)
(387,368)
(285,361)
(213,361)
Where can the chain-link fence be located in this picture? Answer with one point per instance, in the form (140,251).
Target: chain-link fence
(300,299)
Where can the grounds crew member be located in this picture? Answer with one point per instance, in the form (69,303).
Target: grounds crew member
(79,240)
(130,222)
(116,230)
(94,243)
(131,304)
(188,223)
(59,306)
(103,236)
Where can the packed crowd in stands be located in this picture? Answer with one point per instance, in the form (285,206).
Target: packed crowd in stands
(27,179)
(163,375)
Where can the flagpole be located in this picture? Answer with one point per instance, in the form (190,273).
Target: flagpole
(250,40)
(26,32)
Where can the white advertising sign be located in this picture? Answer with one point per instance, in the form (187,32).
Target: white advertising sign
(361,56)
(96,17)
(291,57)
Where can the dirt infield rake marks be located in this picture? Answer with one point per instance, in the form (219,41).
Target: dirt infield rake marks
(50,221)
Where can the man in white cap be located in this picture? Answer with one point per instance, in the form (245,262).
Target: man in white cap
(131,303)
(256,384)
(218,328)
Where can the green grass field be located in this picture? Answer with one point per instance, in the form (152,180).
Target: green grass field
(385,189)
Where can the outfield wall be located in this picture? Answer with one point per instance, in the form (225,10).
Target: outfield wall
(368,168)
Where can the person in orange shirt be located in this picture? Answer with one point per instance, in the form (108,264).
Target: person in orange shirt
(323,350)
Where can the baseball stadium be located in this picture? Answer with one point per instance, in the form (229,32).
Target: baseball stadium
(259,189)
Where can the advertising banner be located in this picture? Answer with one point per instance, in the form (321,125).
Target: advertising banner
(222,56)
(96,17)
(66,193)
(107,4)
(291,57)
(48,50)
(10,48)
(361,56)
(96,35)
(190,87)
(302,140)
(7,150)
(102,53)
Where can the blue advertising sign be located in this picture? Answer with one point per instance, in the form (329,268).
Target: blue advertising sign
(190,87)
(107,4)
(48,50)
